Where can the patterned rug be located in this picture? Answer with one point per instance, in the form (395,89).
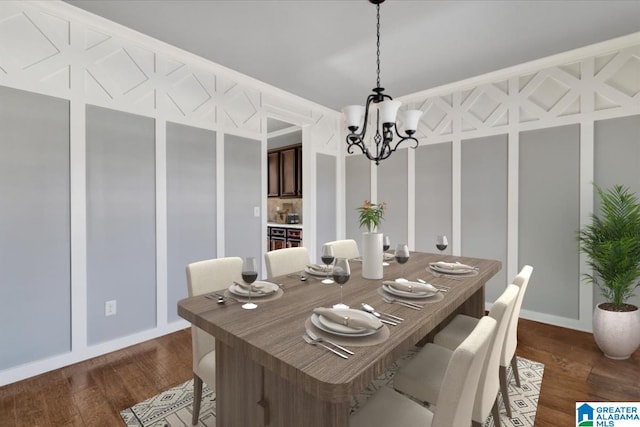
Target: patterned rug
(173,407)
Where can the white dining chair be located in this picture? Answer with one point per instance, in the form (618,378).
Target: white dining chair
(421,377)
(205,277)
(286,261)
(511,339)
(457,392)
(345,248)
(461,325)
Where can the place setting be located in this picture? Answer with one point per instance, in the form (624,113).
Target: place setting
(250,290)
(341,325)
(452,270)
(409,293)
(323,271)
(345,327)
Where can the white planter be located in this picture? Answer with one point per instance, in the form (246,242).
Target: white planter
(616,333)
(372,255)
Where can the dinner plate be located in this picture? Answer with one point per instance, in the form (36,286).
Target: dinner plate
(268,288)
(315,272)
(330,327)
(406,294)
(439,269)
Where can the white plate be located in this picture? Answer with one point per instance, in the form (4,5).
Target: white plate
(405,294)
(268,288)
(327,325)
(314,272)
(389,257)
(438,269)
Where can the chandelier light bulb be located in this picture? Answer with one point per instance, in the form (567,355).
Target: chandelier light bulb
(353,115)
(410,120)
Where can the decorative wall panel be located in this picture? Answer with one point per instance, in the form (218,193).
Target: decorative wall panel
(121,226)
(43,49)
(35,244)
(541,97)
(433,195)
(484,205)
(191,205)
(34,46)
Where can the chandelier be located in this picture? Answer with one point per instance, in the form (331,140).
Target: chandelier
(386,110)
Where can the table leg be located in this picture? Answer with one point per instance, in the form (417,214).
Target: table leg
(249,395)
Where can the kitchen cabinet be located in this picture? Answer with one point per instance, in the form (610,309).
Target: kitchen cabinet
(285,172)
(283,237)
(273,179)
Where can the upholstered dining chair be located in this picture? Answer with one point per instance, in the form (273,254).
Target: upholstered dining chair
(511,339)
(462,325)
(286,261)
(345,248)
(421,377)
(457,392)
(204,277)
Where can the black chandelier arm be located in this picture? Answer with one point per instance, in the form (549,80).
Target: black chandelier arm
(353,139)
(408,136)
(372,98)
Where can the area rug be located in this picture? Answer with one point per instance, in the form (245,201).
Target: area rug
(174,407)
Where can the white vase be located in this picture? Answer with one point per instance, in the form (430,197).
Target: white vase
(616,333)
(372,255)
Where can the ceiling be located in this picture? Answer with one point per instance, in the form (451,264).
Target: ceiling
(324,51)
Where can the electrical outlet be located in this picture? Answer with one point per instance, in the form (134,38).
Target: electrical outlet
(110,308)
(256,211)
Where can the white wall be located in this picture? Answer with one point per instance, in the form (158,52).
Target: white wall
(597,83)
(53,49)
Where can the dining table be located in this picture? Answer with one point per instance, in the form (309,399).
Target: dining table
(267,375)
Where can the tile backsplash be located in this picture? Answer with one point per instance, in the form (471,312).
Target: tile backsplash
(276,205)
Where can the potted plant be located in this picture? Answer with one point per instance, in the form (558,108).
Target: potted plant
(612,245)
(371,215)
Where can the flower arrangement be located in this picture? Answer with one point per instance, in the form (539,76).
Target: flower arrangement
(371,214)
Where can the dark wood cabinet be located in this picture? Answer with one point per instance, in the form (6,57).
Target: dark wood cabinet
(285,172)
(273,179)
(283,237)
(294,237)
(288,173)
(299,171)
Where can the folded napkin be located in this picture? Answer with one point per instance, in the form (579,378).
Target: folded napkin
(407,286)
(351,318)
(452,265)
(319,268)
(256,287)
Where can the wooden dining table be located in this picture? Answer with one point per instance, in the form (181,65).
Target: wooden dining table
(267,375)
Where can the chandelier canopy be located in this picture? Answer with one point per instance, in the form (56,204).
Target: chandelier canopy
(386,110)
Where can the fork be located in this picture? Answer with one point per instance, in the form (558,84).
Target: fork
(308,339)
(320,339)
(412,305)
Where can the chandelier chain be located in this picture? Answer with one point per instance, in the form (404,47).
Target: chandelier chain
(378,45)
(383,137)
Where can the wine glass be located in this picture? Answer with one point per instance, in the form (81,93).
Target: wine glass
(341,274)
(402,255)
(249,275)
(441,242)
(327,258)
(386,244)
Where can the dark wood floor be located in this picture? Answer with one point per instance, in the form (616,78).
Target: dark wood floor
(93,393)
